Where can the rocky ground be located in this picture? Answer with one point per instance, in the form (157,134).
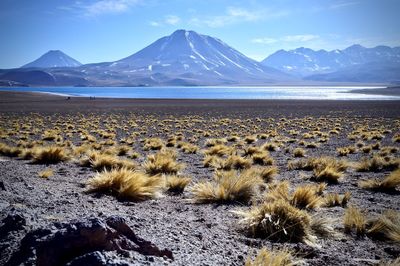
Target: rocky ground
(55,221)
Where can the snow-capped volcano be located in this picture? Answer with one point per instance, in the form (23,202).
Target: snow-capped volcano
(189,53)
(53,58)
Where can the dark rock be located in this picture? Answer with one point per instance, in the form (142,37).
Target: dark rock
(13,222)
(2,186)
(75,241)
(90,259)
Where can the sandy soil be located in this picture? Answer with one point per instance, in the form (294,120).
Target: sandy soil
(196,234)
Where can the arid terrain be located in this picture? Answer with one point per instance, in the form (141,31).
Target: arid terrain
(198,182)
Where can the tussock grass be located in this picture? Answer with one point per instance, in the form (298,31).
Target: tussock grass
(163,162)
(385,227)
(266,173)
(306,197)
(153,144)
(101,161)
(126,184)
(269,146)
(344,151)
(227,186)
(176,184)
(9,151)
(188,147)
(377,163)
(355,219)
(262,158)
(334,199)
(215,142)
(299,152)
(46,173)
(281,257)
(277,221)
(218,150)
(388,184)
(50,155)
(234,162)
(326,169)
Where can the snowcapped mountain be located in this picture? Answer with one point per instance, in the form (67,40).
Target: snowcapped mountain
(195,58)
(304,62)
(53,58)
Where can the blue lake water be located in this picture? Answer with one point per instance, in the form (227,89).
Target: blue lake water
(270,92)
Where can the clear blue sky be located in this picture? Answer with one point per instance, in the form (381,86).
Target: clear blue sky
(107,30)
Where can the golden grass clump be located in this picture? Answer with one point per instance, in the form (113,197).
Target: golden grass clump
(344,151)
(9,151)
(273,258)
(227,186)
(218,150)
(101,161)
(126,184)
(334,199)
(354,218)
(299,152)
(46,173)
(326,169)
(388,184)
(163,162)
(262,158)
(153,144)
(235,162)
(386,226)
(269,146)
(277,221)
(377,163)
(306,197)
(188,147)
(266,173)
(176,184)
(50,155)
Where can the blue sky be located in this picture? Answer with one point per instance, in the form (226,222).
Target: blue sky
(107,30)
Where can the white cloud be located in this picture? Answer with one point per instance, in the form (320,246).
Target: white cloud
(235,15)
(101,7)
(301,38)
(172,20)
(265,40)
(168,20)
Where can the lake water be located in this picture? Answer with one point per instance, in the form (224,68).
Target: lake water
(270,92)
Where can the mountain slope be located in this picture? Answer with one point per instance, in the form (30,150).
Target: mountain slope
(53,58)
(188,55)
(306,62)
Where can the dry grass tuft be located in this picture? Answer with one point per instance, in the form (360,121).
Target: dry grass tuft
(334,199)
(101,161)
(299,152)
(218,150)
(278,221)
(354,219)
(176,184)
(386,226)
(50,155)
(377,163)
(235,162)
(153,144)
(262,158)
(227,187)
(9,151)
(326,169)
(344,151)
(273,258)
(46,173)
(386,185)
(126,184)
(306,197)
(162,162)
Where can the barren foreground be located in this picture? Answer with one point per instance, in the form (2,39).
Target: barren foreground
(133,182)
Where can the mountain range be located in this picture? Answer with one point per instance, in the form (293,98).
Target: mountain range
(187,58)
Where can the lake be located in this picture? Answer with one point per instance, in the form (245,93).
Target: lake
(268,92)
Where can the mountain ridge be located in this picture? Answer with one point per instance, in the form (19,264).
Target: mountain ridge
(53,58)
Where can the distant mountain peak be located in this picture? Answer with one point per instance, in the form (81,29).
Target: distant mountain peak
(304,61)
(53,58)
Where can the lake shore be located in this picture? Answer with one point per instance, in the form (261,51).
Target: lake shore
(26,102)
(388,91)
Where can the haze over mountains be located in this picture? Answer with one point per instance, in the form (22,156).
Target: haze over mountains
(188,58)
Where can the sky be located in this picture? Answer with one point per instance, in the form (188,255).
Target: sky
(94,31)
